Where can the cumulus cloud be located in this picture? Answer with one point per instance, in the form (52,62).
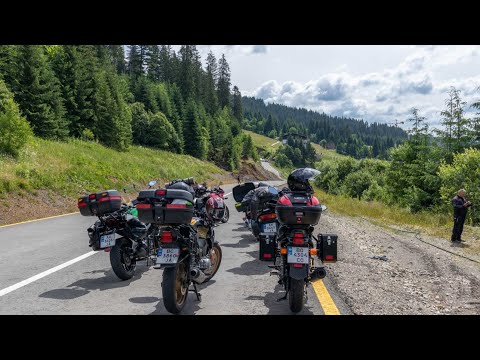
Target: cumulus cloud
(385,95)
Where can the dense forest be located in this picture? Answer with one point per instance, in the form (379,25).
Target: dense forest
(425,172)
(356,138)
(150,96)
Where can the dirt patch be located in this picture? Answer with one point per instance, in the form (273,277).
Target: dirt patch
(416,278)
(254,172)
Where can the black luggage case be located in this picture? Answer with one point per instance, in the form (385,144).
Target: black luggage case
(240,191)
(155,206)
(327,247)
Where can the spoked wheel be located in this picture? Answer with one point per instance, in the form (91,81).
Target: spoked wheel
(216,259)
(175,287)
(296,295)
(122,265)
(226,216)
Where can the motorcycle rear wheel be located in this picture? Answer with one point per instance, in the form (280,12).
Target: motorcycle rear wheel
(226,216)
(296,295)
(216,255)
(175,288)
(122,265)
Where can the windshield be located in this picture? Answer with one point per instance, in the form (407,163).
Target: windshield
(306,174)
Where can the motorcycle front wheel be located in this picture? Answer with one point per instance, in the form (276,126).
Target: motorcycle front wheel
(122,265)
(175,288)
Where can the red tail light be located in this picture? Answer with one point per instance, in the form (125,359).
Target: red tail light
(143,206)
(81,203)
(267,256)
(92,196)
(266,217)
(161,192)
(176,206)
(166,237)
(298,239)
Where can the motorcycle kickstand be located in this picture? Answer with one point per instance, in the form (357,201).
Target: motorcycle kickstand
(195,290)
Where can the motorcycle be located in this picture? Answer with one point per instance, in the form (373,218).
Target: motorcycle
(221,193)
(188,251)
(298,212)
(117,218)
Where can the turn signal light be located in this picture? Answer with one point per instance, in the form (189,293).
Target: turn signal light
(283,251)
(313,252)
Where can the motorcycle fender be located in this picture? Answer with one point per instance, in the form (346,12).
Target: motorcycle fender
(298,273)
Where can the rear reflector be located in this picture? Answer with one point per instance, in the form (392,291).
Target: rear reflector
(267,217)
(166,237)
(110,198)
(92,196)
(329,257)
(176,206)
(297,265)
(143,206)
(267,256)
(82,204)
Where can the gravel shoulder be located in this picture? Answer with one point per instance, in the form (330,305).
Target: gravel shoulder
(416,278)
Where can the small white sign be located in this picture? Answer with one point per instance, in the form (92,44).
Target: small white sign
(297,255)
(167,255)
(270,228)
(107,241)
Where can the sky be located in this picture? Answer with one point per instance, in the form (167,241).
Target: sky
(375,83)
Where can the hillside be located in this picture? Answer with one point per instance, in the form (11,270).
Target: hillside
(348,136)
(50,175)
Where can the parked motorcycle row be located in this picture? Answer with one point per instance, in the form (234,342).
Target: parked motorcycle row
(173,228)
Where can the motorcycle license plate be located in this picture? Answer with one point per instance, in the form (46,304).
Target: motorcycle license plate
(297,255)
(107,241)
(270,228)
(167,255)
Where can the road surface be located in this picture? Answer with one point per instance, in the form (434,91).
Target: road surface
(46,267)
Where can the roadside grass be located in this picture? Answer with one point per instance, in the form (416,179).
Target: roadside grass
(263,142)
(75,167)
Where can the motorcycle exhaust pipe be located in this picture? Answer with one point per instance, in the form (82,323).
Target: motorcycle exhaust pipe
(318,273)
(198,275)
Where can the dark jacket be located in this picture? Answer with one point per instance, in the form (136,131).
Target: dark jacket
(458,209)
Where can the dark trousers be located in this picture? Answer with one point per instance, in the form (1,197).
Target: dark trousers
(458,222)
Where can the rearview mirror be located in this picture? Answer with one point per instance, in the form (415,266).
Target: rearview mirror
(151,183)
(324,208)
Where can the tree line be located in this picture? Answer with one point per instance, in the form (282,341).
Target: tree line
(352,137)
(424,172)
(149,95)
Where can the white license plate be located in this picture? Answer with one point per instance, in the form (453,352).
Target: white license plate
(297,255)
(270,228)
(167,255)
(107,241)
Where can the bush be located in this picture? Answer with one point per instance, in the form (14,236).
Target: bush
(15,131)
(356,183)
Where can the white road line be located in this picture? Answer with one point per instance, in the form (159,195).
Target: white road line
(228,193)
(45,273)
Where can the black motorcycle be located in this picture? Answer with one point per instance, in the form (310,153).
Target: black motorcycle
(134,241)
(188,251)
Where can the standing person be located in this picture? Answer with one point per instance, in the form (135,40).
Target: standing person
(460,208)
(238,178)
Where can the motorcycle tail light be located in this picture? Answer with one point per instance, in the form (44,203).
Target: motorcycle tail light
(297,265)
(92,196)
(298,239)
(81,203)
(267,256)
(161,192)
(266,217)
(166,237)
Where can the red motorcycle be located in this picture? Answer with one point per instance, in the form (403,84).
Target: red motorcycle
(219,192)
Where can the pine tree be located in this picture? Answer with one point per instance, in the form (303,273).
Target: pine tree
(192,131)
(165,64)
(153,63)
(38,93)
(8,56)
(237,105)
(116,55)
(223,85)
(210,97)
(188,72)
(135,62)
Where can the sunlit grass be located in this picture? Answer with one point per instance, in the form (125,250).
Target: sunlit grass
(75,167)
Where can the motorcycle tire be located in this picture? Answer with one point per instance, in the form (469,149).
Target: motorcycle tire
(296,295)
(218,253)
(175,288)
(226,216)
(122,265)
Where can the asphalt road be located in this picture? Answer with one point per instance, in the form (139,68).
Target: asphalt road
(242,285)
